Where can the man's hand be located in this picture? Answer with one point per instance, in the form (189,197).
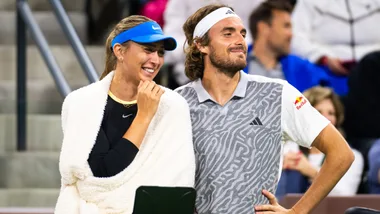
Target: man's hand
(273,207)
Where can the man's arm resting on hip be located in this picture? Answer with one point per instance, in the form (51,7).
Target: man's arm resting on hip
(339,158)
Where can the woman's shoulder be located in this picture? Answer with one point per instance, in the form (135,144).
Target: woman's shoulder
(82,92)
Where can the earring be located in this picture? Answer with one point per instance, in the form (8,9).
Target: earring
(121,58)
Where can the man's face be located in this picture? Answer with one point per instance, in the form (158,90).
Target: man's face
(227,49)
(279,34)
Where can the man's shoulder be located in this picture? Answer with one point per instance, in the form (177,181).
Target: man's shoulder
(187,86)
(262,79)
(188,92)
(185,89)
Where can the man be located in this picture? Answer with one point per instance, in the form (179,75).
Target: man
(239,122)
(271,28)
(176,13)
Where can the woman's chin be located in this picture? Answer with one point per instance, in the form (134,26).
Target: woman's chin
(147,78)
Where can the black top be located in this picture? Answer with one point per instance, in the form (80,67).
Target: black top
(362,112)
(112,153)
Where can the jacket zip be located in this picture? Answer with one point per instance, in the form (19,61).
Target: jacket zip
(352,33)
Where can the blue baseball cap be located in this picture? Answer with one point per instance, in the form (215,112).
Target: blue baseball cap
(147,32)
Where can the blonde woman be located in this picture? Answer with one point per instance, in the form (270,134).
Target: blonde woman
(310,161)
(124,131)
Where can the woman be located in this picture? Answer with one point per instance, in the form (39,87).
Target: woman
(124,131)
(308,162)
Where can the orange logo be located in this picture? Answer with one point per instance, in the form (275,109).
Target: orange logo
(299,102)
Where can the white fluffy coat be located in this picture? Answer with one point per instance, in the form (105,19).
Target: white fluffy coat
(166,156)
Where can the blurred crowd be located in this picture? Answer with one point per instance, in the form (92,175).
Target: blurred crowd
(330,50)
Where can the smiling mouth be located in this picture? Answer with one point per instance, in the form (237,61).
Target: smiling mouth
(149,70)
(237,50)
(239,53)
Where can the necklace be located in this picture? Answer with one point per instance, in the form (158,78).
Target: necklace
(126,104)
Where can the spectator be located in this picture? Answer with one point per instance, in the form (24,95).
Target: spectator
(271,28)
(177,11)
(154,9)
(374,168)
(308,162)
(336,33)
(363,113)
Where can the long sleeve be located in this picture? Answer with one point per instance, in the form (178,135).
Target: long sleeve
(105,161)
(302,42)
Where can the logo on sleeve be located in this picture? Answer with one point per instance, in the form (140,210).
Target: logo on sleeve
(300,101)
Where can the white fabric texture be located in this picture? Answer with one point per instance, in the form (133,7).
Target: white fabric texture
(166,156)
(322,28)
(211,19)
(301,122)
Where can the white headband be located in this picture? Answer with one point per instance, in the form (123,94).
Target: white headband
(211,19)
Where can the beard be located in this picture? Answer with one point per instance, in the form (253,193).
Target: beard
(280,50)
(226,65)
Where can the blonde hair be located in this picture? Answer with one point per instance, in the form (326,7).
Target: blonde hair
(123,25)
(194,63)
(317,94)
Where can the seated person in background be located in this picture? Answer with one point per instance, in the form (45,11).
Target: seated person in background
(271,28)
(374,168)
(362,114)
(308,162)
(336,33)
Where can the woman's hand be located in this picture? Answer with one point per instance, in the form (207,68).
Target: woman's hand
(300,163)
(273,207)
(148,98)
(290,160)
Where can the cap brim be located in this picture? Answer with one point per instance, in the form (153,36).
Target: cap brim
(169,42)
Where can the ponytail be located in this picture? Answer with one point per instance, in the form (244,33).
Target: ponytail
(110,59)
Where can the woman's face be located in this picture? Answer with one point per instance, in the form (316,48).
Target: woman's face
(326,108)
(143,61)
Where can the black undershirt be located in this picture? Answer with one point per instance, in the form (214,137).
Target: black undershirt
(112,153)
